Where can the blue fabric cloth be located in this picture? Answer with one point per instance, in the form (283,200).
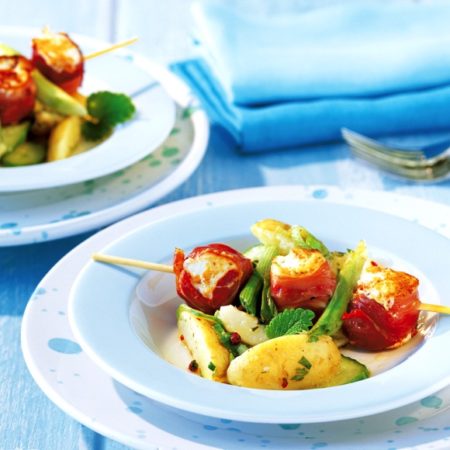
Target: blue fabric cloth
(351,49)
(297,123)
(290,80)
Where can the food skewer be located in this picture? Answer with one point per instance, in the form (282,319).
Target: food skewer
(111,48)
(132,262)
(117,260)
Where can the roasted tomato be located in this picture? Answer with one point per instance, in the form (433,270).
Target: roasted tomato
(59,59)
(210,276)
(17,89)
(301,279)
(384,309)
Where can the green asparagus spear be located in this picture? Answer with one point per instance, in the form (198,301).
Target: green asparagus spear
(249,294)
(331,319)
(303,238)
(268,308)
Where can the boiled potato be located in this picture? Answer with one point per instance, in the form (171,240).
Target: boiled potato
(246,325)
(286,362)
(203,343)
(64,138)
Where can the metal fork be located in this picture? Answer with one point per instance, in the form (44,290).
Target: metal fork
(429,163)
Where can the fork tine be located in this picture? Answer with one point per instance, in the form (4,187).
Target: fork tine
(434,172)
(389,159)
(357,139)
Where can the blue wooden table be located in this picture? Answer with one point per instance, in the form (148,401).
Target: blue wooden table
(28,419)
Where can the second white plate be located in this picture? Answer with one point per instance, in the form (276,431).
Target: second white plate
(154,118)
(47,214)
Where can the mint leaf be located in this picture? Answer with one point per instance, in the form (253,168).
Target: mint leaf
(110,107)
(95,131)
(290,321)
(107,109)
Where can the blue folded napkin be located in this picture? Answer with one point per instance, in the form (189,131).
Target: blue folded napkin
(286,81)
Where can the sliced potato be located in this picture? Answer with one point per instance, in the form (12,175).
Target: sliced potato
(203,343)
(44,120)
(64,138)
(246,325)
(286,362)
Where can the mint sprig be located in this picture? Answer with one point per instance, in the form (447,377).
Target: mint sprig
(290,321)
(107,109)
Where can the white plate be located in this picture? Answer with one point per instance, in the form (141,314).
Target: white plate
(154,118)
(135,358)
(28,217)
(82,390)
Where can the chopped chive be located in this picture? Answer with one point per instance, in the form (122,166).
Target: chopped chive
(300,374)
(305,362)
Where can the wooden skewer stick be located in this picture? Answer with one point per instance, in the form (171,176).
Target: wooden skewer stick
(110,48)
(132,262)
(435,308)
(441,309)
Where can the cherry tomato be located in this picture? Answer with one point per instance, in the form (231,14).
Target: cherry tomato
(17,89)
(303,278)
(210,276)
(383,312)
(59,59)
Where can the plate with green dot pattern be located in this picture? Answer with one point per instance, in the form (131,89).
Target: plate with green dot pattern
(47,214)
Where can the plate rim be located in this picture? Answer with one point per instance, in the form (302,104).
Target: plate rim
(43,182)
(198,204)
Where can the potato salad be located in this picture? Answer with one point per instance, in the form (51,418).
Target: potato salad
(277,315)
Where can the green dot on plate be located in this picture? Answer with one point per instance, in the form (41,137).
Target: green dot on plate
(432,401)
(405,420)
(289,426)
(170,151)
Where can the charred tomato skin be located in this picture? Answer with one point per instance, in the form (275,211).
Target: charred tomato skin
(375,326)
(17,89)
(60,60)
(311,288)
(224,289)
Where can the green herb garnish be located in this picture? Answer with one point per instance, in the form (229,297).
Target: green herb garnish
(107,110)
(305,362)
(301,372)
(211,366)
(290,321)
